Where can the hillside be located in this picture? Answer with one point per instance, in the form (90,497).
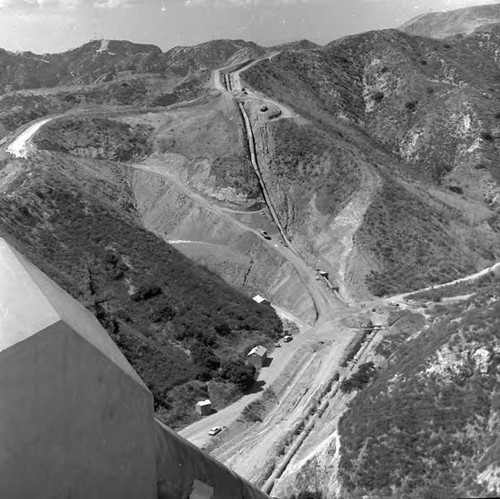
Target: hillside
(175,321)
(380,97)
(105,60)
(163,199)
(109,73)
(428,425)
(99,138)
(86,64)
(453,22)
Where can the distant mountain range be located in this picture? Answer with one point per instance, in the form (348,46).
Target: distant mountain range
(102,60)
(453,22)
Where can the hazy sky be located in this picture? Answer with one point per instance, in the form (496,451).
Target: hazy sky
(57,25)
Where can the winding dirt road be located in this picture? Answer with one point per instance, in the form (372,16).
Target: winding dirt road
(297,350)
(19,147)
(300,369)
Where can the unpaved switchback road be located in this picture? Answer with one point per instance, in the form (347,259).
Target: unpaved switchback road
(493,270)
(320,295)
(228,81)
(325,301)
(19,147)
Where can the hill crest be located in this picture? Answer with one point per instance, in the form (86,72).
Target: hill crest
(453,22)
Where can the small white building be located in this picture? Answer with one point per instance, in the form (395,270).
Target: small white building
(261,300)
(204,407)
(257,356)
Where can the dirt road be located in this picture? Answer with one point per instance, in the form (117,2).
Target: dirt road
(19,147)
(297,366)
(400,298)
(325,302)
(299,370)
(322,297)
(197,433)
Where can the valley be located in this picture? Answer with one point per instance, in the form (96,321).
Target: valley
(354,186)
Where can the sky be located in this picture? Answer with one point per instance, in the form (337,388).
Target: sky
(56,25)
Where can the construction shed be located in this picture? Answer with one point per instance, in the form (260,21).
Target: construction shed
(261,300)
(257,356)
(204,407)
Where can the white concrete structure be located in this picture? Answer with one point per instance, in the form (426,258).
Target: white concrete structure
(76,421)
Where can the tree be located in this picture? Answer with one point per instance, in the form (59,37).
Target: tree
(239,373)
(222,329)
(204,356)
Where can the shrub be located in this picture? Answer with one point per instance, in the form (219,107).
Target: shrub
(239,373)
(146,292)
(485,135)
(359,379)
(253,412)
(222,329)
(204,356)
(411,105)
(456,188)
(378,96)
(165,100)
(163,313)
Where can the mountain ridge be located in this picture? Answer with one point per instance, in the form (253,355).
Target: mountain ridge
(453,22)
(380,152)
(103,59)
